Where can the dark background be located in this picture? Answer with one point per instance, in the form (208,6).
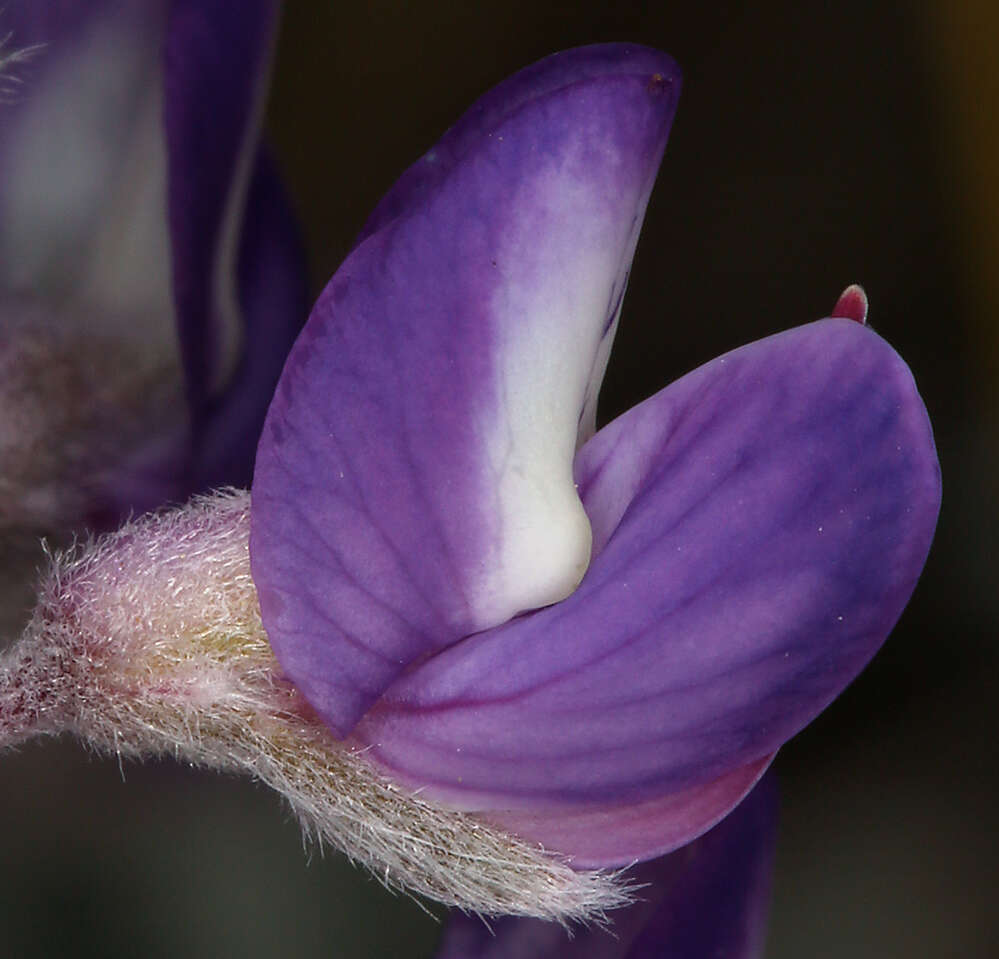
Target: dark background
(816,145)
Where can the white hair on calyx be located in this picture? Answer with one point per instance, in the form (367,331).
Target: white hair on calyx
(148,642)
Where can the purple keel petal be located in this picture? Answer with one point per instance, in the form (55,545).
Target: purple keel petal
(215,60)
(615,834)
(419,448)
(708,899)
(759,526)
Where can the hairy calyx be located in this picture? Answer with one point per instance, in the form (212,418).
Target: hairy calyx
(148,642)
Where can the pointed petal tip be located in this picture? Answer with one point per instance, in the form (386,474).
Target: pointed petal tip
(852,305)
(548,77)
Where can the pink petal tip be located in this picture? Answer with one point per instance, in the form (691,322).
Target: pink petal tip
(852,304)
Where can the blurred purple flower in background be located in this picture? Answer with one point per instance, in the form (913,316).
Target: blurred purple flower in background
(507,643)
(151,276)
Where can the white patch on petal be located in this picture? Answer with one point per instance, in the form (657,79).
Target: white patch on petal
(85,179)
(588,419)
(557,316)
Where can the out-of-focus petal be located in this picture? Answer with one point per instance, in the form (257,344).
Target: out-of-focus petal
(419,447)
(90,423)
(83,165)
(273,293)
(758,526)
(118,104)
(709,899)
(499,104)
(216,61)
(93,423)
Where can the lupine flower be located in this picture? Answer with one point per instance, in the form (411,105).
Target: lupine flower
(714,566)
(484,649)
(151,280)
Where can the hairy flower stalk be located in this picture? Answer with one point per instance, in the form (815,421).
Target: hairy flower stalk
(148,642)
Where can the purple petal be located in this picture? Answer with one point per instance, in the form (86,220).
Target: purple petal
(419,448)
(82,160)
(215,61)
(273,294)
(758,526)
(599,835)
(708,899)
(493,108)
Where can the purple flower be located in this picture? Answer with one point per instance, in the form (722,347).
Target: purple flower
(714,566)
(151,280)
(511,651)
